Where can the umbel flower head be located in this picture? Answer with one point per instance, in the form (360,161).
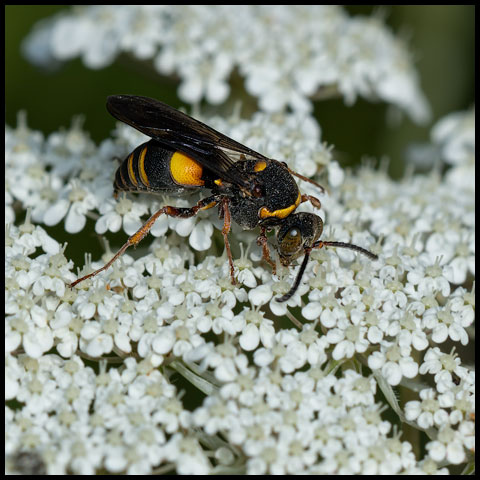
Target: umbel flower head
(287,54)
(270,390)
(106,377)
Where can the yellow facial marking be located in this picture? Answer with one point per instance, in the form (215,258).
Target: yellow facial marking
(282,213)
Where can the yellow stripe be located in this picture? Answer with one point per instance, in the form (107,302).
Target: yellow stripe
(131,173)
(281,213)
(141,167)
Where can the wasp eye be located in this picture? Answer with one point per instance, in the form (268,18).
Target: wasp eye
(291,243)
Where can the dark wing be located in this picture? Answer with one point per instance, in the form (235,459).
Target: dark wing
(178,131)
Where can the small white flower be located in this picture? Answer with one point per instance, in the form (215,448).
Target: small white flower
(394,363)
(37,341)
(123,212)
(455,136)
(428,412)
(447,447)
(74,211)
(226,363)
(186,453)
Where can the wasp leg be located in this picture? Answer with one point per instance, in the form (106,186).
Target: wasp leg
(137,237)
(313,200)
(263,242)
(227,223)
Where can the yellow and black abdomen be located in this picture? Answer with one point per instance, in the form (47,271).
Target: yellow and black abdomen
(153,168)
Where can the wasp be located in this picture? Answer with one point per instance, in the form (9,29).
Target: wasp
(185,155)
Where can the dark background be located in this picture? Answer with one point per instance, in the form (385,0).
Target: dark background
(441,37)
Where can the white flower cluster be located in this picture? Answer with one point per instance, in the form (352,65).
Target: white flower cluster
(453,136)
(91,372)
(277,401)
(287,54)
(285,423)
(84,421)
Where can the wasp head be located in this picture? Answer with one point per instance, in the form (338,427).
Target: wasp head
(296,235)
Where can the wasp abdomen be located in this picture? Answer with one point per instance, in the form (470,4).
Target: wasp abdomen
(153,168)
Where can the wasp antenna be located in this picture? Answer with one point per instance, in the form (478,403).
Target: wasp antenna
(365,252)
(306,179)
(291,292)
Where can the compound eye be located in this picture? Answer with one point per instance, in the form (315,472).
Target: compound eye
(292,242)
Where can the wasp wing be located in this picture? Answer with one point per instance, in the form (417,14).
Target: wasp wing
(176,130)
